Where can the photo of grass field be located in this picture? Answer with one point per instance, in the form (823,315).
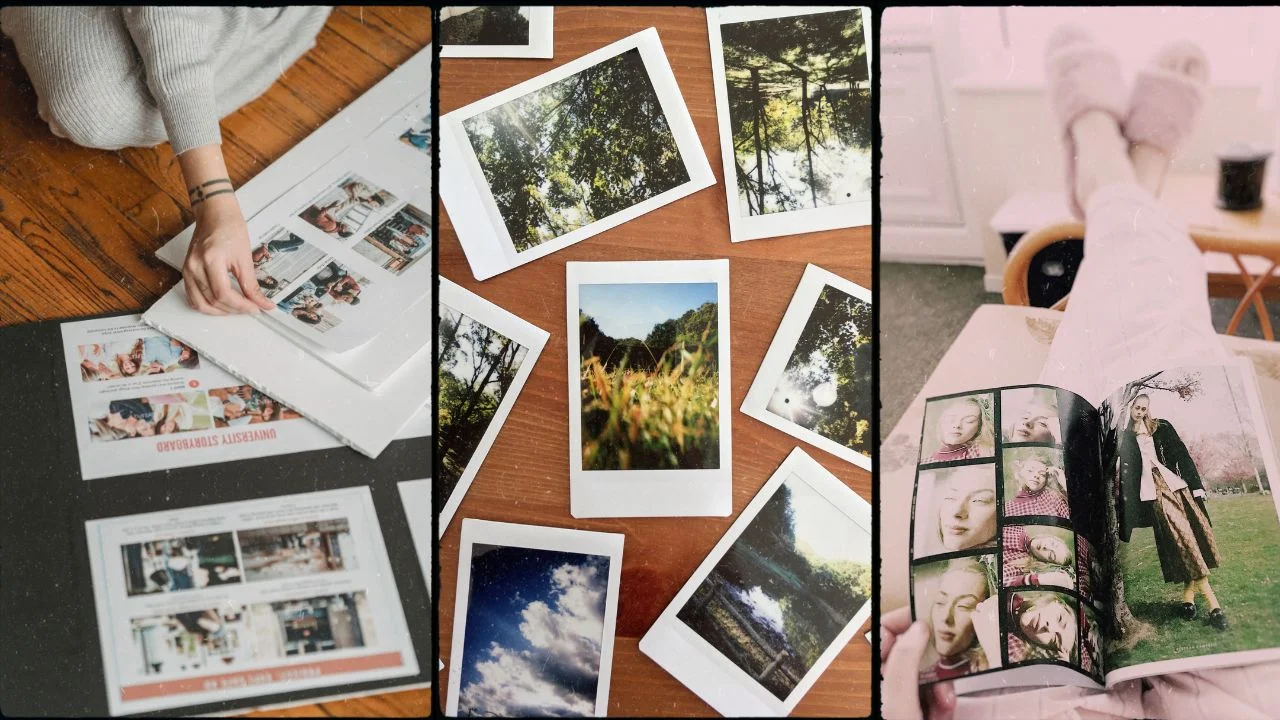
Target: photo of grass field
(650,380)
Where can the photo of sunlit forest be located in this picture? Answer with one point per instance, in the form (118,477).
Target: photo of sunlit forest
(475,365)
(650,376)
(785,589)
(576,151)
(826,386)
(800,110)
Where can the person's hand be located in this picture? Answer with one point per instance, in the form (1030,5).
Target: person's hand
(221,246)
(902,645)
(1056,578)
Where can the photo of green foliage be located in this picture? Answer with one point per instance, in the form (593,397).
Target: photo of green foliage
(498,25)
(799,110)
(475,365)
(576,151)
(826,386)
(786,588)
(650,380)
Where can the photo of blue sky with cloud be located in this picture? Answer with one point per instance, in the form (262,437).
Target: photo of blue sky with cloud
(534,626)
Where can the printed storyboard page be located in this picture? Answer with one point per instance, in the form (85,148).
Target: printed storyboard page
(1007,522)
(142,401)
(242,599)
(342,253)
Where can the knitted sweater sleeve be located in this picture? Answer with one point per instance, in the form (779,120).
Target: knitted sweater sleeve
(177,52)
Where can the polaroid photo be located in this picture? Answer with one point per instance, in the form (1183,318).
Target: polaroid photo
(649,410)
(534,621)
(958,428)
(484,356)
(349,208)
(496,32)
(415,495)
(1030,415)
(776,600)
(281,258)
(1038,556)
(1034,483)
(1042,625)
(958,598)
(956,508)
(793,101)
(236,600)
(569,154)
(815,381)
(398,242)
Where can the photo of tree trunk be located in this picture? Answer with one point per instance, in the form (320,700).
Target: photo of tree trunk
(499,25)
(650,376)
(785,589)
(800,110)
(576,151)
(475,366)
(826,386)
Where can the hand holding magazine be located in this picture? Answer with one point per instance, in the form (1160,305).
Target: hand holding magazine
(1058,543)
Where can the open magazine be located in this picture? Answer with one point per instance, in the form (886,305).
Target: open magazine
(1058,543)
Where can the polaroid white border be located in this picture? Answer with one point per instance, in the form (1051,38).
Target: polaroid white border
(466,195)
(702,668)
(415,496)
(541,40)
(784,342)
(485,532)
(649,493)
(753,227)
(356,503)
(527,334)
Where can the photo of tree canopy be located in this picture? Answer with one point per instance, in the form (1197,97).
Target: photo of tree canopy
(475,366)
(800,110)
(826,386)
(785,589)
(650,376)
(497,25)
(576,151)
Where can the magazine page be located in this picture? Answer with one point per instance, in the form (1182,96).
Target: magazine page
(1005,565)
(1188,460)
(249,598)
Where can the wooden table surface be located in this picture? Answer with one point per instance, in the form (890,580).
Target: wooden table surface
(525,478)
(79,227)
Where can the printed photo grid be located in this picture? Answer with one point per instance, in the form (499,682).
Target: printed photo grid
(1001,571)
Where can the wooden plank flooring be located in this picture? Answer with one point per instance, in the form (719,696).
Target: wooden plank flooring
(79,227)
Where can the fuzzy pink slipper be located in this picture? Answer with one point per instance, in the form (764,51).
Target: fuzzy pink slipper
(1080,76)
(1166,101)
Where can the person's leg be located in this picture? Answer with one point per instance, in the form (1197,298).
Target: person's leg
(89,80)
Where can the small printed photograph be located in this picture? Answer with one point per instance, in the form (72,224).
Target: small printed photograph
(317,624)
(1030,415)
(959,601)
(281,259)
(149,416)
(1088,569)
(799,104)
(322,300)
(485,25)
(180,563)
(958,428)
(400,241)
(1034,483)
(418,135)
(1043,625)
(1039,556)
(349,208)
(578,150)
(297,549)
(534,624)
(475,368)
(956,509)
(246,405)
(196,641)
(650,376)
(785,589)
(1091,641)
(151,355)
(826,386)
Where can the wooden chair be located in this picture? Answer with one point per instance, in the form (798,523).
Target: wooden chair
(1236,245)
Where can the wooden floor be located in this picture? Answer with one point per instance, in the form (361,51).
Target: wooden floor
(525,477)
(79,227)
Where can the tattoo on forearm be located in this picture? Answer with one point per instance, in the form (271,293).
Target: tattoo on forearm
(202,192)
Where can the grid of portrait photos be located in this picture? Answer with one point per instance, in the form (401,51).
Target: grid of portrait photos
(1002,571)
